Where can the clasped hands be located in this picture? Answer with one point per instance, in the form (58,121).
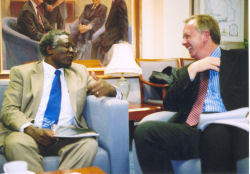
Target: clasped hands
(84,28)
(50,8)
(207,63)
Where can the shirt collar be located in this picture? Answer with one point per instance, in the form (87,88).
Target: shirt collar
(216,52)
(50,70)
(34,5)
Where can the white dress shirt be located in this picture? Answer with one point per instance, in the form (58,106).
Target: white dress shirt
(66,117)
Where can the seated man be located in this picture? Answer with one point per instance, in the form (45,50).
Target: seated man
(31,21)
(91,19)
(216,82)
(29,111)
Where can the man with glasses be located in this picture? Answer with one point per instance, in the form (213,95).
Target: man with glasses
(25,128)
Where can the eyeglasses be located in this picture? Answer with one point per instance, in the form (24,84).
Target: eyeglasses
(69,47)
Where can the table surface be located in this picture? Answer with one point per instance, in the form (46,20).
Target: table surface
(138,111)
(88,170)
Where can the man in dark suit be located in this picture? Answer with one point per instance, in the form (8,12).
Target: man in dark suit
(56,13)
(91,19)
(116,29)
(22,131)
(30,23)
(219,146)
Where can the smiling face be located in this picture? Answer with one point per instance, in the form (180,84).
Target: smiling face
(62,55)
(193,39)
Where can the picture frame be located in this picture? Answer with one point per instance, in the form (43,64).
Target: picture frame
(232,19)
(75,8)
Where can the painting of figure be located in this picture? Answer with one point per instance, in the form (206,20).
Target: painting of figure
(94,25)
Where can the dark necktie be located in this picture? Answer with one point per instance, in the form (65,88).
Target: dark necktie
(194,115)
(53,109)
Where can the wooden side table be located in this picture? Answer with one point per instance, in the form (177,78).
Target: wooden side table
(137,112)
(88,170)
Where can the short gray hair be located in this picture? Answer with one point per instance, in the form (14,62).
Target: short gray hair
(50,39)
(207,22)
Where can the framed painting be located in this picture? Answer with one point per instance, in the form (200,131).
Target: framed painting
(231,16)
(15,52)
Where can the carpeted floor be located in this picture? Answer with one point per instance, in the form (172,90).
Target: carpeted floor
(131,163)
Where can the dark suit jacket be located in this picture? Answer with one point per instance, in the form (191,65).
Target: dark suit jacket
(96,17)
(233,76)
(28,24)
(116,29)
(117,22)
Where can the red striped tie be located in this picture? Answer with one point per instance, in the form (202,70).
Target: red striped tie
(194,115)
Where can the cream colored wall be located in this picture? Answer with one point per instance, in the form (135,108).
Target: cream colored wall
(152,29)
(162,24)
(174,15)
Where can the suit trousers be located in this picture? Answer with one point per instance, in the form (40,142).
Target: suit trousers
(74,153)
(157,143)
(221,147)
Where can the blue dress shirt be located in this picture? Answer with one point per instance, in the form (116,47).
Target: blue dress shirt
(213,101)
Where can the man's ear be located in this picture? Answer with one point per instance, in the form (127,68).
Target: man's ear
(49,50)
(206,35)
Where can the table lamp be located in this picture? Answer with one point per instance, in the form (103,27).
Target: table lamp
(122,63)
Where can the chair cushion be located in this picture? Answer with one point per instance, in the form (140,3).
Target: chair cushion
(102,160)
(51,163)
(187,166)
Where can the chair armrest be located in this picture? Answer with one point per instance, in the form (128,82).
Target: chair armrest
(153,84)
(109,117)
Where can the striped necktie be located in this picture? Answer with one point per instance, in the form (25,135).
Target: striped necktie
(38,16)
(194,115)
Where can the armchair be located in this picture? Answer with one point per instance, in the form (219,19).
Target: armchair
(148,92)
(18,47)
(182,166)
(186,61)
(110,120)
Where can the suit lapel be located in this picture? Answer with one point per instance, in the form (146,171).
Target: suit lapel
(37,85)
(36,18)
(70,80)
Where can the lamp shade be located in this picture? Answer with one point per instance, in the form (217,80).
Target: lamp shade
(122,61)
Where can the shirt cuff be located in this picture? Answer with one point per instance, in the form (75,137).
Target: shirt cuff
(24,126)
(118,92)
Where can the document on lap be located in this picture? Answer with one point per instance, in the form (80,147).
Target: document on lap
(235,118)
(73,132)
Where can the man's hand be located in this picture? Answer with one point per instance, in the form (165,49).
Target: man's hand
(50,8)
(101,88)
(208,63)
(42,136)
(83,28)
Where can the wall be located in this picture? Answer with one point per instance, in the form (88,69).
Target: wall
(162,24)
